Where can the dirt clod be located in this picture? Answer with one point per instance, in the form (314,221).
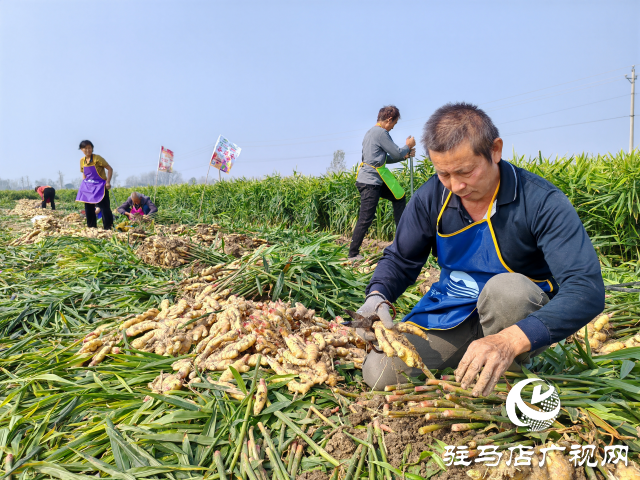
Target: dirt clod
(314,475)
(340,446)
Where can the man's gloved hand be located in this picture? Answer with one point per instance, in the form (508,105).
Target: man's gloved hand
(366,335)
(375,304)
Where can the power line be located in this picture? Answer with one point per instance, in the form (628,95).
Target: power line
(600,82)
(564,109)
(260,144)
(244,145)
(553,86)
(544,97)
(583,87)
(210,146)
(275,160)
(510,134)
(567,125)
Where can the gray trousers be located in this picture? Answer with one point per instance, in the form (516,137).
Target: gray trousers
(506,299)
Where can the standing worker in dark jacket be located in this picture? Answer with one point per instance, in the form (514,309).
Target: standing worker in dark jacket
(48,195)
(518,270)
(375,180)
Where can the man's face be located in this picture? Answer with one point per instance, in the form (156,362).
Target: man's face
(472,177)
(388,124)
(88,150)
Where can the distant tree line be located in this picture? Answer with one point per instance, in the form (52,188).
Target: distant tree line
(145,179)
(337,165)
(26,183)
(149,178)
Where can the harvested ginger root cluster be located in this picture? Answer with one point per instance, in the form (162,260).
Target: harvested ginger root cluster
(235,244)
(68,226)
(170,251)
(599,331)
(220,330)
(212,235)
(393,344)
(26,208)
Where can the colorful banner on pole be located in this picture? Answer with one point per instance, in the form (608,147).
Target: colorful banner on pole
(165,164)
(224,155)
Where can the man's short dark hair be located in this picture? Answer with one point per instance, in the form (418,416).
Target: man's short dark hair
(388,112)
(453,123)
(37,187)
(85,143)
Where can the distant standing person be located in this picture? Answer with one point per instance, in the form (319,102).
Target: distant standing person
(48,195)
(375,180)
(137,204)
(94,189)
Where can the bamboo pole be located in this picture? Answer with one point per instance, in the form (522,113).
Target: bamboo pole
(155,190)
(411,167)
(203,189)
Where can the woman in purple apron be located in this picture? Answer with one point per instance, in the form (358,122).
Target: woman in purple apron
(94,189)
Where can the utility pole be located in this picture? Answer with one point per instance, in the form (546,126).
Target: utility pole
(633,96)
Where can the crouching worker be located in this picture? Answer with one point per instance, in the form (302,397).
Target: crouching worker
(137,204)
(518,271)
(48,195)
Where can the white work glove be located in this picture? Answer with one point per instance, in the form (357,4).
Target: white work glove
(375,304)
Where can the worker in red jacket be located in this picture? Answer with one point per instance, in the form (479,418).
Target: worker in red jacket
(47,194)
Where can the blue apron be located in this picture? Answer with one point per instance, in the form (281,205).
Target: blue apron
(468,258)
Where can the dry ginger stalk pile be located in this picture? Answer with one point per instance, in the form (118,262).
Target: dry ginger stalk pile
(220,331)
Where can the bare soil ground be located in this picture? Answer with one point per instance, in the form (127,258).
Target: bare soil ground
(368,245)
(405,440)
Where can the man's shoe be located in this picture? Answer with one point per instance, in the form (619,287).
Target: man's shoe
(355,259)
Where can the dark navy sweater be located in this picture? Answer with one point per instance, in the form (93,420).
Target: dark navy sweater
(539,235)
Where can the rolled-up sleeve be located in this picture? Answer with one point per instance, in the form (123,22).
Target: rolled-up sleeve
(575,266)
(402,261)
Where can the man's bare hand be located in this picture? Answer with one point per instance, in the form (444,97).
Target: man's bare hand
(411,141)
(493,355)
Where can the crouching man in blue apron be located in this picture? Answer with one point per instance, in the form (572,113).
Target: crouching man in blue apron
(518,271)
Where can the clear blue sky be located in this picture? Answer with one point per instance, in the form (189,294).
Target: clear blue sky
(292,81)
